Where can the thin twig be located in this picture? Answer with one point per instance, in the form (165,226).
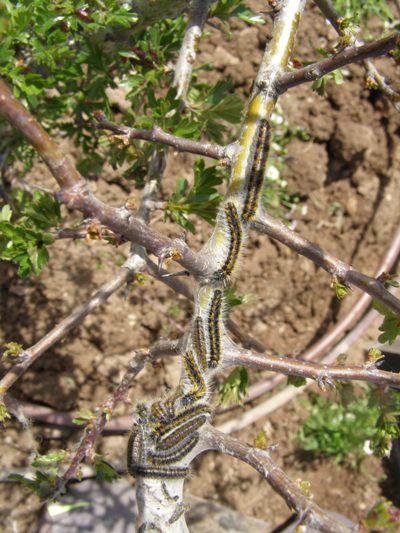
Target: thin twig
(288,393)
(342,271)
(85,448)
(187,55)
(29,356)
(156,134)
(327,8)
(309,512)
(347,56)
(323,374)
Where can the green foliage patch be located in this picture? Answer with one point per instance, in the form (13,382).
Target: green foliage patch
(352,428)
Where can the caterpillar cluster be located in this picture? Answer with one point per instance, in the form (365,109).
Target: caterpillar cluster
(167,430)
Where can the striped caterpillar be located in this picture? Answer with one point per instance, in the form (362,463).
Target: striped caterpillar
(214,323)
(235,239)
(152,448)
(194,374)
(256,175)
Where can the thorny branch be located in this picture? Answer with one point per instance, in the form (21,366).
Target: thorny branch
(323,374)
(127,134)
(343,272)
(95,428)
(29,356)
(310,513)
(328,10)
(76,194)
(347,56)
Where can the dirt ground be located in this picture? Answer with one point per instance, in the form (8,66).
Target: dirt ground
(352,162)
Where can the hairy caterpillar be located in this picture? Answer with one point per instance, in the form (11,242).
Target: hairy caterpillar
(256,176)
(214,322)
(186,414)
(195,377)
(158,472)
(200,343)
(234,243)
(176,453)
(181,432)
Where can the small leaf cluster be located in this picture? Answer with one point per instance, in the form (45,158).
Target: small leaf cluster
(201,199)
(387,424)
(233,390)
(390,326)
(333,429)
(44,483)
(25,239)
(383,516)
(225,9)
(353,427)
(361,10)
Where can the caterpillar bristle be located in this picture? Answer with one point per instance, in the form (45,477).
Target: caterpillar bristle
(194,374)
(158,472)
(200,343)
(176,453)
(181,432)
(214,324)
(235,238)
(187,413)
(256,175)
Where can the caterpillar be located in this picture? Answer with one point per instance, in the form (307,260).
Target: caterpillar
(200,343)
(214,322)
(195,377)
(158,472)
(181,432)
(136,447)
(186,414)
(176,453)
(256,176)
(235,241)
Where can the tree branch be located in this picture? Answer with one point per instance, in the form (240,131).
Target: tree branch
(76,194)
(28,357)
(310,513)
(347,56)
(95,428)
(305,369)
(60,166)
(187,54)
(328,10)
(156,134)
(342,271)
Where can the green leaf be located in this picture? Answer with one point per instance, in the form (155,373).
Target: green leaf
(44,485)
(6,213)
(56,508)
(104,471)
(233,390)
(84,417)
(13,349)
(4,414)
(50,458)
